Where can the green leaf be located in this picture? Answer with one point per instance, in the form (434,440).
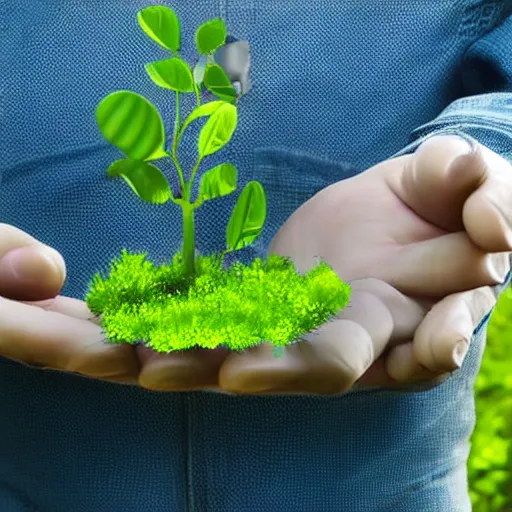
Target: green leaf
(217,182)
(172,74)
(204,110)
(210,36)
(248,217)
(162,25)
(132,124)
(218,83)
(147,181)
(218,130)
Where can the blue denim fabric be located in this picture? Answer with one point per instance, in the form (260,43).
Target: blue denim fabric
(336,87)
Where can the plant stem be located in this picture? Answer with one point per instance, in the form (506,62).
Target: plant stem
(189,245)
(179,171)
(177,121)
(174,148)
(194,171)
(197,90)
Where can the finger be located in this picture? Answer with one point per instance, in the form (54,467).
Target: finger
(407,313)
(432,184)
(402,366)
(457,185)
(333,358)
(442,339)
(48,339)
(12,238)
(376,376)
(180,371)
(487,214)
(443,265)
(29,270)
(67,306)
(399,370)
(194,369)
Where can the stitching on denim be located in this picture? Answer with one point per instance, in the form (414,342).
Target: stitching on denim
(426,132)
(442,472)
(446,126)
(22,497)
(478,18)
(489,113)
(490,100)
(273,159)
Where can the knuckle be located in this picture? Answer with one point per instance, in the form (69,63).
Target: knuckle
(8,232)
(348,368)
(12,238)
(6,228)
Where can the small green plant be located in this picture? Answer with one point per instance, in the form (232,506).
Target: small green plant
(195,301)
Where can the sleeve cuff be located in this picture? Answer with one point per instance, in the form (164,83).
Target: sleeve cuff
(486,118)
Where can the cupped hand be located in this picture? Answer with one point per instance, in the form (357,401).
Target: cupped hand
(42,329)
(422,238)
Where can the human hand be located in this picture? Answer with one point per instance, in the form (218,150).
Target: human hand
(422,238)
(42,329)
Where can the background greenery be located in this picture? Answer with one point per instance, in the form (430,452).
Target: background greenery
(490,463)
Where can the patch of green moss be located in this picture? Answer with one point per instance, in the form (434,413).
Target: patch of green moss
(238,307)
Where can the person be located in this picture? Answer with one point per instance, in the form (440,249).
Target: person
(382,133)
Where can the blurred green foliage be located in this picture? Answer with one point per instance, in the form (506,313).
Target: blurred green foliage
(490,462)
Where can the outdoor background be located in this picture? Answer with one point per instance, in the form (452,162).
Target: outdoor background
(490,462)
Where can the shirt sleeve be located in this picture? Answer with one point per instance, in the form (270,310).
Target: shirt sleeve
(485,111)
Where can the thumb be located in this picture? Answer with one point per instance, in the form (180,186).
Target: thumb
(442,339)
(32,272)
(438,179)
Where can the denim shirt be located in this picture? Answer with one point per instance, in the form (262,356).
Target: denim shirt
(337,86)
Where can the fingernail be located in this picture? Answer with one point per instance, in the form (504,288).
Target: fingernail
(29,264)
(498,266)
(459,352)
(464,151)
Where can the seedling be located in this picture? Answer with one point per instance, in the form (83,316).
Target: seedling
(194,301)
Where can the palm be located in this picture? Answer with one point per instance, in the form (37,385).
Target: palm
(374,228)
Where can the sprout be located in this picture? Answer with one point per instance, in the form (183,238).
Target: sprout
(194,301)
